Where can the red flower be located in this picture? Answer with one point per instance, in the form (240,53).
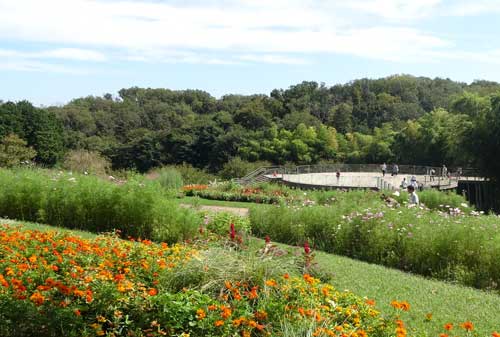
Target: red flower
(268,239)
(307,249)
(233,232)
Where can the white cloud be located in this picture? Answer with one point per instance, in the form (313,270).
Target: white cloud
(37,66)
(273,59)
(398,10)
(223,32)
(472,8)
(73,54)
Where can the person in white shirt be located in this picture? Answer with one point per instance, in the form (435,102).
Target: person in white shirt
(384,169)
(404,183)
(413,181)
(413,195)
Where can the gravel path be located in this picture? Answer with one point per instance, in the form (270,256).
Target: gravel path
(234,210)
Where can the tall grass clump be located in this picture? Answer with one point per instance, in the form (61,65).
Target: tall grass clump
(89,203)
(192,175)
(169,178)
(82,161)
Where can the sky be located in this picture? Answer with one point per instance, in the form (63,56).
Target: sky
(52,51)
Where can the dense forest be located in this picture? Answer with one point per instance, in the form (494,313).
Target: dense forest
(401,118)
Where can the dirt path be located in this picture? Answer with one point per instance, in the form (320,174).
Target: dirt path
(234,210)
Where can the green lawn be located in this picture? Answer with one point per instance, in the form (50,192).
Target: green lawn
(208,202)
(40,227)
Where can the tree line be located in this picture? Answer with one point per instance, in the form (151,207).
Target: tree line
(400,118)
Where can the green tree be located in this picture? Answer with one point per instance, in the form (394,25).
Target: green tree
(482,142)
(340,117)
(14,151)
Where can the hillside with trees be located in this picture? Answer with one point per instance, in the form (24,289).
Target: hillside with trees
(401,118)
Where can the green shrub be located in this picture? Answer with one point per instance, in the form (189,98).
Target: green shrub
(192,175)
(169,178)
(219,223)
(82,161)
(237,168)
(14,151)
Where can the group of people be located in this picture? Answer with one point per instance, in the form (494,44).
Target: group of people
(411,186)
(394,171)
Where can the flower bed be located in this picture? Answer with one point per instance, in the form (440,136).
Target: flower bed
(55,284)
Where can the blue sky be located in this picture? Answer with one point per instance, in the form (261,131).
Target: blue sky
(54,50)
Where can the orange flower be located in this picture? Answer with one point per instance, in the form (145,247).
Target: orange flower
(89,296)
(152,292)
(219,323)
(448,326)
(237,322)
(253,293)
(443,335)
(370,302)
(405,306)
(3,281)
(260,315)
(286,276)
(200,314)
(226,312)
(212,307)
(395,304)
(77,312)
(252,323)
(37,298)
(467,326)
(495,334)
(271,283)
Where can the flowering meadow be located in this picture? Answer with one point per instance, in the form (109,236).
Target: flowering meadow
(58,284)
(448,242)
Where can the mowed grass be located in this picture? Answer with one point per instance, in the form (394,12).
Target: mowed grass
(40,227)
(208,202)
(448,303)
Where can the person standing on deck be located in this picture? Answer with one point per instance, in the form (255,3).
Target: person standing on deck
(395,170)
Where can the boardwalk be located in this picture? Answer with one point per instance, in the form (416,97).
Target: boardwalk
(371,180)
